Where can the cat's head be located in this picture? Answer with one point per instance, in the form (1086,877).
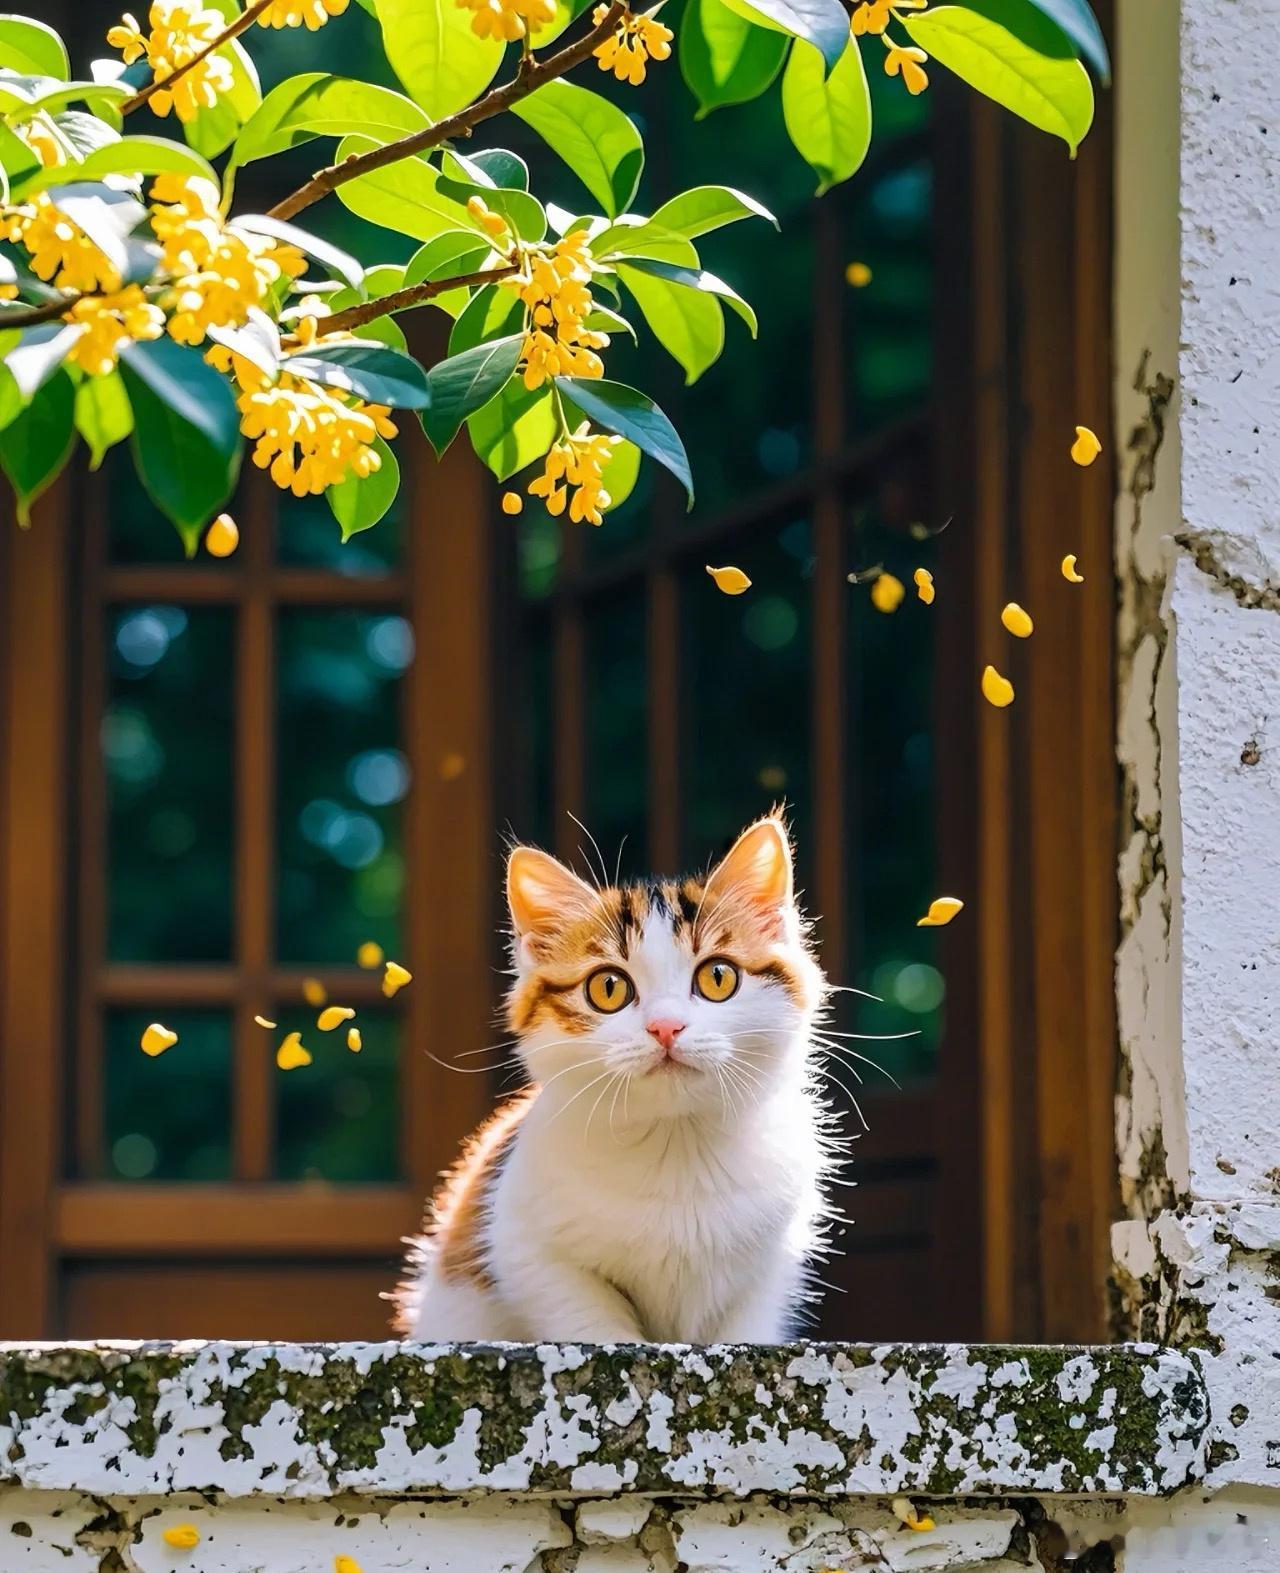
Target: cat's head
(679,996)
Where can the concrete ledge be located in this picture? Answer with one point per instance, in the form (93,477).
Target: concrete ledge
(309,1421)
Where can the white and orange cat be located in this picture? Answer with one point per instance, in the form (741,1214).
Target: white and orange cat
(661,1177)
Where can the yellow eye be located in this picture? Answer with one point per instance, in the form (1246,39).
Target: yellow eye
(608,990)
(716,980)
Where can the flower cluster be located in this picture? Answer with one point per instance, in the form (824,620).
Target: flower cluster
(873,17)
(508,19)
(60,252)
(110,321)
(555,288)
(307,436)
(218,271)
(179,31)
(578,460)
(910,63)
(633,43)
(312,14)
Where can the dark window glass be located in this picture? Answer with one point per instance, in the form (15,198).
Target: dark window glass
(168,1118)
(617,712)
(166,742)
(343,778)
(337,1118)
(308,536)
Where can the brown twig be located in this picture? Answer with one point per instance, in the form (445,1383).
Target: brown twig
(402,299)
(245,20)
(31,316)
(530,75)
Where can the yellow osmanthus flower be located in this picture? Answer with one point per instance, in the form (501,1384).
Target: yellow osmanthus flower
(907,61)
(512,503)
(492,223)
(333,1016)
(1017,621)
(223,536)
(395,978)
(110,322)
(1086,448)
(887,593)
(312,14)
(291,1055)
(996,690)
(182,1537)
(60,251)
(729,580)
(635,41)
(1069,570)
(179,31)
(578,460)
(873,16)
(369,955)
(157,1038)
(555,288)
(345,1564)
(941,911)
(923,580)
(354,1041)
(508,19)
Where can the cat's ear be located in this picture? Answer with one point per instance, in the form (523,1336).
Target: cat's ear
(757,869)
(543,894)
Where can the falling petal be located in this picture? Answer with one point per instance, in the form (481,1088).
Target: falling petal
(290,1056)
(369,955)
(996,690)
(1017,621)
(887,593)
(333,1017)
(156,1039)
(924,585)
(354,1041)
(512,502)
(1086,448)
(940,913)
(263,1022)
(314,992)
(223,537)
(729,579)
(1069,569)
(395,978)
(857,274)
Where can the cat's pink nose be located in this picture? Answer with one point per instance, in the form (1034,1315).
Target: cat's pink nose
(666,1029)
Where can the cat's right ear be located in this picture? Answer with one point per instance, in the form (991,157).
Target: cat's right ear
(543,895)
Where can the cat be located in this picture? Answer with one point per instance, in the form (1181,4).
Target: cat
(661,1178)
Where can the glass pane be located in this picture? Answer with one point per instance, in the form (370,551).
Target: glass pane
(532,815)
(342,780)
(337,1119)
(168,1118)
(308,536)
(892,810)
(167,748)
(617,744)
(137,532)
(747,688)
(540,545)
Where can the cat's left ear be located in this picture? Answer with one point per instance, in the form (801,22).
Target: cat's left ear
(543,895)
(757,869)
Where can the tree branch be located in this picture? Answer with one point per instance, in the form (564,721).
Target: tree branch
(402,299)
(530,76)
(32,316)
(245,20)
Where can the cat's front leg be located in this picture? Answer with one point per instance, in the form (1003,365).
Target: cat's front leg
(766,1310)
(556,1302)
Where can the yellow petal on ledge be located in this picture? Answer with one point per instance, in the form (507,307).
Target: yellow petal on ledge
(182,1537)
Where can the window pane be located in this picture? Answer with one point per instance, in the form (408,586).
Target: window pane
(137,532)
(747,686)
(168,1118)
(166,742)
(617,713)
(308,536)
(338,1118)
(342,780)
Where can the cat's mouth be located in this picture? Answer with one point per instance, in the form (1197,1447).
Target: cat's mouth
(670,1065)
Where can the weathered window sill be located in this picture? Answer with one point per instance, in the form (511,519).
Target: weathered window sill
(311,1421)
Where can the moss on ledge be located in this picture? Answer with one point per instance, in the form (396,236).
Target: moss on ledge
(309,1420)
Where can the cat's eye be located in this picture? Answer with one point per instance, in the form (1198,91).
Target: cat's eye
(716,980)
(608,990)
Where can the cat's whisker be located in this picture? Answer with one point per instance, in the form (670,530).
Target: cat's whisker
(848,988)
(604,872)
(870,1037)
(564,1109)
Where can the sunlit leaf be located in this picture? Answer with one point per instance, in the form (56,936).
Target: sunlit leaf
(463,384)
(338,262)
(691,278)
(829,122)
(404,196)
(360,501)
(319,105)
(724,58)
(514,429)
(213,130)
(617,408)
(822,23)
(38,441)
(703,208)
(1077,21)
(1011,52)
(441,63)
(103,415)
(38,354)
(372,371)
(595,138)
(33,47)
(127,156)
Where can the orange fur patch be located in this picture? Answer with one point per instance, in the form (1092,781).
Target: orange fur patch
(458,1207)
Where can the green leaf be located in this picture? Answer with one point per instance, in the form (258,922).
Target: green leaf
(1012,53)
(687,324)
(1078,22)
(36,444)
(523,212)
(84,133)
(497,165)
(17,161)
(319,105)
(384,329)
(829,122)
(692,278)
(127,156)
(186,438)
(39,353)
(371,371)
(96,95)
(647,239)
(338,262)
(441,63)
(514,429)
(492,313)
(633,415)
(704,208)
(822,23)
(724,58)
(465,383)
(622,473)
(404,197)
(213,130)
(447,256)
(598,142)
(33,47)
(360,501)
(103,414)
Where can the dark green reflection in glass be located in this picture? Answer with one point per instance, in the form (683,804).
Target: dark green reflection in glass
(539,545)
(166,743)
(137,532)
(337,1118)
(892,810)
(308,536)
(168,1118)
(747,693)
(617,753)
(342,780)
